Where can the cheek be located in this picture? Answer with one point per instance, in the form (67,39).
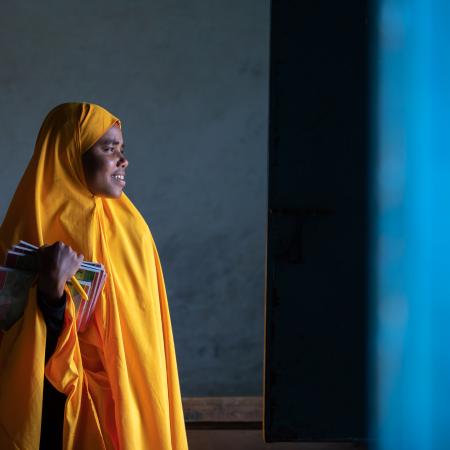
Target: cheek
(97,170)
(105,168)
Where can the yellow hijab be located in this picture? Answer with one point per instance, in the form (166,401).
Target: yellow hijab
(120,375)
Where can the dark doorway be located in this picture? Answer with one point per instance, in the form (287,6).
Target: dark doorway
(317,278)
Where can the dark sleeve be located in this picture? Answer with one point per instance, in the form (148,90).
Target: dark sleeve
(53,402)
(54,320)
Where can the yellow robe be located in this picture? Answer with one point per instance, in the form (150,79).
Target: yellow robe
(120,375)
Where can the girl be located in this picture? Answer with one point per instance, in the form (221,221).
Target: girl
(115,385)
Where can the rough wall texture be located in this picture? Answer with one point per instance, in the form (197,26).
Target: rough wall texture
(190,82)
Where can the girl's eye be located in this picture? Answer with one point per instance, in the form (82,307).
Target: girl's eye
(112,149)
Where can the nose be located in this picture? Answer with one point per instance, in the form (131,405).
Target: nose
(122,162)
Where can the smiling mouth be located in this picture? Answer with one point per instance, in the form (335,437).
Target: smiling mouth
(120,179)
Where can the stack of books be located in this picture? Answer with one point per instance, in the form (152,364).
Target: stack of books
(20,269)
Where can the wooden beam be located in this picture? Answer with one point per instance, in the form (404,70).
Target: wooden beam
(223,412)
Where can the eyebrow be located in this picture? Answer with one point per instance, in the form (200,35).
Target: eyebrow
(113,142)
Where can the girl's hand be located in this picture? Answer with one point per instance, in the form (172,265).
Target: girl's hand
(57,264)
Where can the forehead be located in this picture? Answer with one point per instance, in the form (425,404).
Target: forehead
(112,136)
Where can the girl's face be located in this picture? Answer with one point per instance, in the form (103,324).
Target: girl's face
(104,165)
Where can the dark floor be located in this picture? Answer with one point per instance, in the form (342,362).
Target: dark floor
(253,440)
(235,423)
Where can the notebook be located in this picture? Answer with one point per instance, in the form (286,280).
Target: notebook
(20,270)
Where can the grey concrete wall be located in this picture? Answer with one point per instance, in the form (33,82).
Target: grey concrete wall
(190,82)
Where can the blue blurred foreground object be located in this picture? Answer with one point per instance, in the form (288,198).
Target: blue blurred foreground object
(411,234)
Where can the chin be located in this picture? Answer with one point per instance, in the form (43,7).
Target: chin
(116,195)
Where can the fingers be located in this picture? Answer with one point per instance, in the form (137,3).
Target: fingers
(76,264)
(60,250)
(80,260)
(58,262)
(61,245)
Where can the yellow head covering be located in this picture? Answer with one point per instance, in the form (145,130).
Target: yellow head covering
(120,375)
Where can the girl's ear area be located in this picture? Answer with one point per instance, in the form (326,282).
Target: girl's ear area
(86,163)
